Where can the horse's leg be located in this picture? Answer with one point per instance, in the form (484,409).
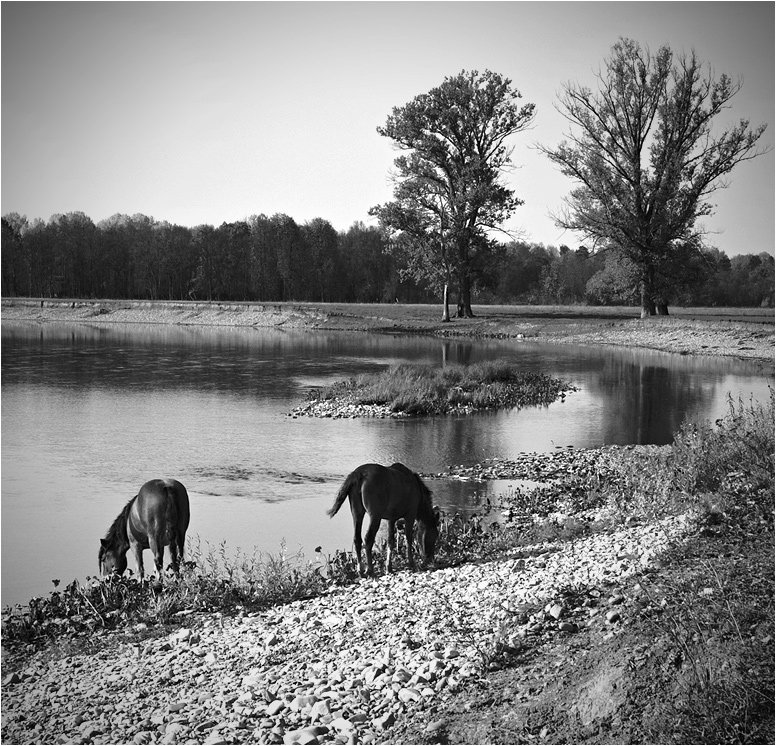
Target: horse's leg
(138,550)
(358,518)
(391,544)
(409,526)
(157,549)
(371,533)
(175,557)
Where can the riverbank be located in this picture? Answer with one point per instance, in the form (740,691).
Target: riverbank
(637,608)
(742,333)
(341,668)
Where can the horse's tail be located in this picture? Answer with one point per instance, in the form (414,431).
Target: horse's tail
(353,480)
(171,514)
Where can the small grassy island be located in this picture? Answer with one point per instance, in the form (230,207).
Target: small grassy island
(411,390)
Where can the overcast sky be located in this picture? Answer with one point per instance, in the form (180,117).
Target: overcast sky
(208,112)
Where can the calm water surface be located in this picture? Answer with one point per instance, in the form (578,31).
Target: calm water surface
(90,412)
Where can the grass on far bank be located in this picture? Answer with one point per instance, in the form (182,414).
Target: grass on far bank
(425,390)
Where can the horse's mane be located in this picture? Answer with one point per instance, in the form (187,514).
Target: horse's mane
(117,537)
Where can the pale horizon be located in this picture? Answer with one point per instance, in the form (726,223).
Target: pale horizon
(210,112)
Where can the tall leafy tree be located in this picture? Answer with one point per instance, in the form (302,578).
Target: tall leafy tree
(367,267)
(12,256)
(645,160)
(322,248)
(289,251)
(448,191)
(75,264)
(205,282)
(264,275)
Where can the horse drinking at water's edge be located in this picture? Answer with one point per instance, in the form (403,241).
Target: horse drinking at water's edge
(390,492)
(156,517)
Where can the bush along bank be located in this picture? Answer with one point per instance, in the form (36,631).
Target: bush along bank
(408,390)
(601,623)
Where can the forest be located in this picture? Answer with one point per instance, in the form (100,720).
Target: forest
(276,259)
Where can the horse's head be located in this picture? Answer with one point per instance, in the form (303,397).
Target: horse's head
(429,533)
(429,521)
(111,560)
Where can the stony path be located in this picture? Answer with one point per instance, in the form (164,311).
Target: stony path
(341,668)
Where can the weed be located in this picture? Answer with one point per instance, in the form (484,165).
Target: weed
(490,644)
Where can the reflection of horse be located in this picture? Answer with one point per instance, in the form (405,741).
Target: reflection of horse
(390,492)
(157,516)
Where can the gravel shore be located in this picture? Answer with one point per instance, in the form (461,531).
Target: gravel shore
(342,668)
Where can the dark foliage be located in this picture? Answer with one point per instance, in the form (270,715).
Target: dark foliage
(274,259)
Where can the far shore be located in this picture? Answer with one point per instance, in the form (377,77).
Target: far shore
(746,333)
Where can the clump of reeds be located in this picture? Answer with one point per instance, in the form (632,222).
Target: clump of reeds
(426,390)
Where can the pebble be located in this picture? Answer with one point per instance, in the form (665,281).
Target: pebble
(385,721)
(330,669)
(556,611)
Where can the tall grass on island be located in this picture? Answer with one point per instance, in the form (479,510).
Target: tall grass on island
(414,389)
(725,471)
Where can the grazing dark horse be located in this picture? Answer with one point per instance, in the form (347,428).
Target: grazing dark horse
(390,492)
(157,516)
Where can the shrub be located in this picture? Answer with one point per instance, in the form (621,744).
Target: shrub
(736,453)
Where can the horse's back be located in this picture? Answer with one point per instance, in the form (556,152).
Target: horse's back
(164,500)
(386,473)
(389,492)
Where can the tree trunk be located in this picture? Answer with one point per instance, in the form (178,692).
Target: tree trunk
(446,312)
(662,309)
(647,303)
(464,298)
(647,307)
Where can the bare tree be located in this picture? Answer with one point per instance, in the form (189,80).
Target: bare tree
(644,158)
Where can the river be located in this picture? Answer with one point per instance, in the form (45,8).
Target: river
(91,411)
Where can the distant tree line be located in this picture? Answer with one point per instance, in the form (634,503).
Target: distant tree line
(276,259)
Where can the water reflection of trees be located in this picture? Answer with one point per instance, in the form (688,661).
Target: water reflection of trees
(646,395)
(634,396)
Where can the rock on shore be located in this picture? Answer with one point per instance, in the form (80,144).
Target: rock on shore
(341,668)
